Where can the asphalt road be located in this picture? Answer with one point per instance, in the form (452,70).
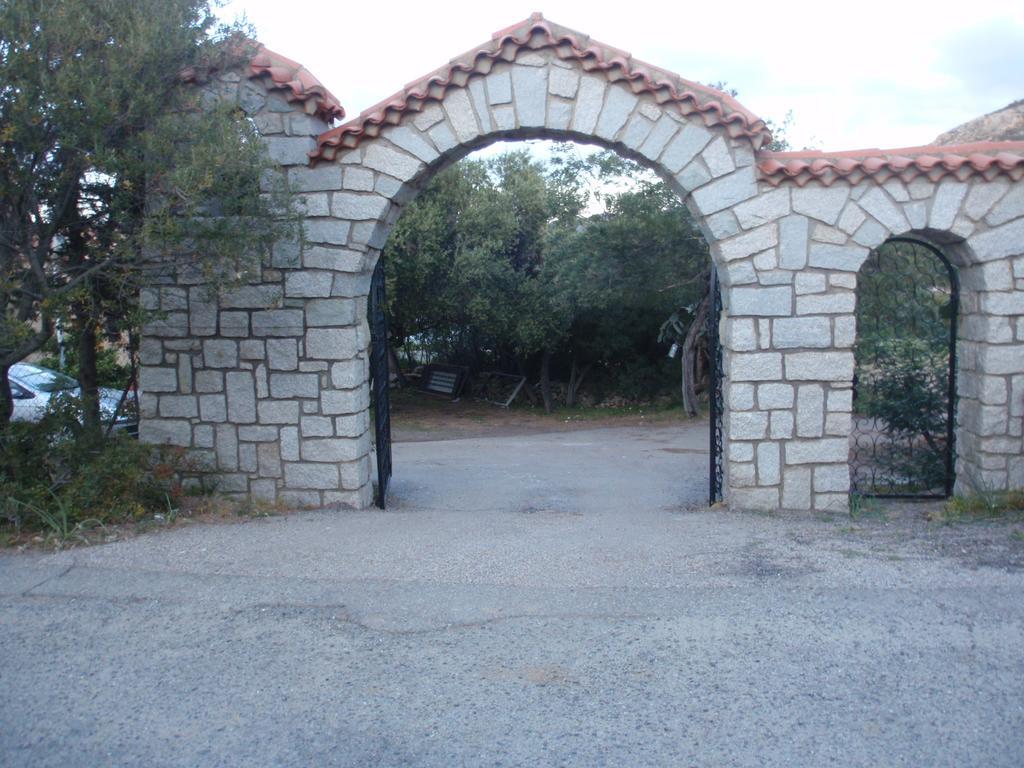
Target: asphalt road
(547,600)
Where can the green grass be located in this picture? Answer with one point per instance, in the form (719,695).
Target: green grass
(985,505)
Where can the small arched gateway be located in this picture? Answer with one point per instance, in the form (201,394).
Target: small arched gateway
(270,384)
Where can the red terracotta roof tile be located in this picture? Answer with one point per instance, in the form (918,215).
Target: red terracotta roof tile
(281,73)
(987,159)
(713,106)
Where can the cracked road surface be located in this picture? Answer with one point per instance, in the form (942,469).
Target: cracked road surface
(556,599)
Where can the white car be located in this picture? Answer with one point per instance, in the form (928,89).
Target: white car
(33,387)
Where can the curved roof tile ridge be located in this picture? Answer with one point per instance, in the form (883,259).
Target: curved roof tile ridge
(535,33)
(933,161)
(281,73)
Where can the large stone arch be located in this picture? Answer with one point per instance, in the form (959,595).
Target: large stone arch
(268,385)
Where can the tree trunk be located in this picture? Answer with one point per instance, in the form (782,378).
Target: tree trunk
(576,377)
(87,375)
(689,357)
(6,397)
(530,394)
(545,382)
(395,367)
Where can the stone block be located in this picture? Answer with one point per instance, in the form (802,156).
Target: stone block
(846,258)
(356,206)
(563,82)
(742,475)
(226,446)
(153,379)
(168,325)
(325,176)
(719,160)
(268,457)
(278,412)
(809,282)
(286,385)
(839,424)
(810,411)
(664,129)
(870,234)
(768,468)
(755,366)
(750,425)
(202,436)
(821,203)
(330,312)
(213,407)
(826,450)
(334,402)
(260,433)
(332,343)
(877,203)
(1002,359)
(336,259)
(261,296)
(796,488)
(478,95)
(287,150)
(793,242)
(765,263)
(308,283)
(282,354)
(834,303)
(589,100)
(202,313)
(235,324)
(278,322)
(355,473)
(726,191)
(693,176)
(166,432)
(741,452)
(722,225)
(385,159)
(220,353)
(844,332)
(759,301)
(983,195)
(781,425)
(638,128)
(684,147)
(359,179)
(251,349)
(499,88)
(774,396)
(851,218)
(349,374)
(316,426)
(353,425)
(241,392)
(310,476)
(793,332)
(741,397)
(749,243)
(530,93)
(311,204)
(406,138)
(819,366)
(331,449)
(1000,242)
(1009,208)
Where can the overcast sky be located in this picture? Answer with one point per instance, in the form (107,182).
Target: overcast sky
(873,73)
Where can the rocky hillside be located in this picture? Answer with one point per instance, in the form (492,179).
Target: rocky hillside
(1006,124)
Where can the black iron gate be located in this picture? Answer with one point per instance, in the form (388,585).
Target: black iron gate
(716,470)
(379,380)
(904,387)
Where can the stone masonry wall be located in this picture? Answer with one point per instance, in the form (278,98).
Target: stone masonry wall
(270,386)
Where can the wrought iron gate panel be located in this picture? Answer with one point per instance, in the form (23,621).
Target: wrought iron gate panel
(716,401)
(904,387)
(379,380)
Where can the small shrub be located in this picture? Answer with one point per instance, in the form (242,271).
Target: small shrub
(58,481)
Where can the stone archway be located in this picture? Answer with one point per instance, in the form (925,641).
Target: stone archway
(270,387)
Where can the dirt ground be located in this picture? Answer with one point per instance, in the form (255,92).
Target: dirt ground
(418,417)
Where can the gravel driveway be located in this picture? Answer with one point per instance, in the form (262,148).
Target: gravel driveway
(558,599)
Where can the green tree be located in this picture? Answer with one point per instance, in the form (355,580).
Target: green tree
(110,165)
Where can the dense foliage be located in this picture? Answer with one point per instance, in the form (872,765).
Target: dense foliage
(519,265)
(110,166)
